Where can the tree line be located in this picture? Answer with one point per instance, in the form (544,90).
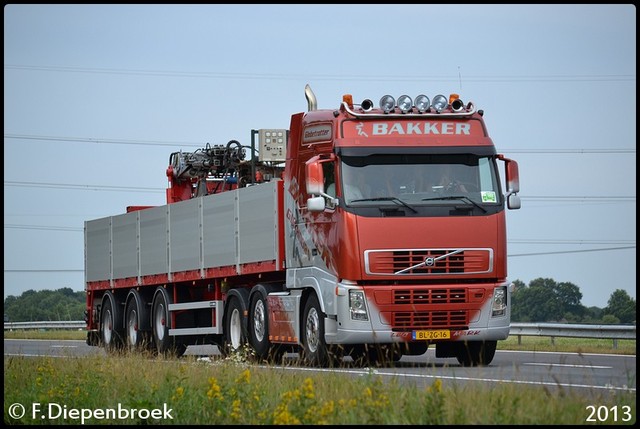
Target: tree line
(543,300)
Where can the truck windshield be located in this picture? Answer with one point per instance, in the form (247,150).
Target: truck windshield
(419,179)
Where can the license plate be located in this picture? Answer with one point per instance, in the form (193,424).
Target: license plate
(431,335)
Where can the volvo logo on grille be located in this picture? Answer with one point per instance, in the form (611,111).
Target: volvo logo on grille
(429,261)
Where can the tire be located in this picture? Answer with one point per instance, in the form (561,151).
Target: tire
(111,326)
(315,350)
(136,323)
(258,330)
(476,353)
(235,337)
(160,325)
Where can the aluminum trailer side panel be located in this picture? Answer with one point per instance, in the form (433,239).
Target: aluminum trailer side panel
(230,229)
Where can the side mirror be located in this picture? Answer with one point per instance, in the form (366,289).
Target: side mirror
(315,176)
(513,176)
(513,201)
(315,204)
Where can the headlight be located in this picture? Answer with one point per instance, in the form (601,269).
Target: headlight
(357,305)
(499,306)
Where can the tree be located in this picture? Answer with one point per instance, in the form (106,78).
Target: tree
(621,306)
(545,300)
(45,305)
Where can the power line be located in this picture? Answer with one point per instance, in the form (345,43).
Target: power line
(81,187)
(556,241)
(326,77)
(509,256)
(43,271)
(44,228)
(511,241)
(101,140)
(572,251)
(98,140)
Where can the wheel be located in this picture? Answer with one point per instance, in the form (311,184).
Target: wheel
(136,323)
(160,325)
(234,334)
(476,353)
(315,348)
(259,330)
(258,326)
(111,329)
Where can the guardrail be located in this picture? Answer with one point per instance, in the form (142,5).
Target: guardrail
(64,324)
(613,332)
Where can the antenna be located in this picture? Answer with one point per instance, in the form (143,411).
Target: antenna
(460,78)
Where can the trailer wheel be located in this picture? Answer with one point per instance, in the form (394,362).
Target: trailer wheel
(160,325)
(111,328)
(476,353)
(136,322)
(315,348)
(234,336)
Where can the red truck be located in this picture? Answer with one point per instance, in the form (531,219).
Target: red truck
(362,231)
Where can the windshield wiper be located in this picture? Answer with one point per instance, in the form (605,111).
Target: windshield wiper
(394,199)
(456,197)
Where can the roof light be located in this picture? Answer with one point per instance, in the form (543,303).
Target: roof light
(422,103)
(453,97)
(387,103)
(348,98)
(457,105)
(439,103)
(366,105)
(405,103)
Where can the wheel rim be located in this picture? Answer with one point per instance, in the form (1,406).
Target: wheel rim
(132,327)
(259,321)
(235,328)
(160,321)
(107,326)
(313,330)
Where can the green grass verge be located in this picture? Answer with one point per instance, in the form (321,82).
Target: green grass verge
(232,392)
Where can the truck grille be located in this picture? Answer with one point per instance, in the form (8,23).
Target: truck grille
(425,262)
(426,307)
(405,320)
(430,296)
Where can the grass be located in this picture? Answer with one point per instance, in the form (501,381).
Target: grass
(232,392)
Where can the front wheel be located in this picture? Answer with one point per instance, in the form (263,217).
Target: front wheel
(315,350)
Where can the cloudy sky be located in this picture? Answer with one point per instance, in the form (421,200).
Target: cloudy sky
(96,97)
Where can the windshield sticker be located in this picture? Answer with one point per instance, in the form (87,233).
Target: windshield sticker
(488,196)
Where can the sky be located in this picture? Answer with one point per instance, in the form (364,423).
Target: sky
(96,98)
